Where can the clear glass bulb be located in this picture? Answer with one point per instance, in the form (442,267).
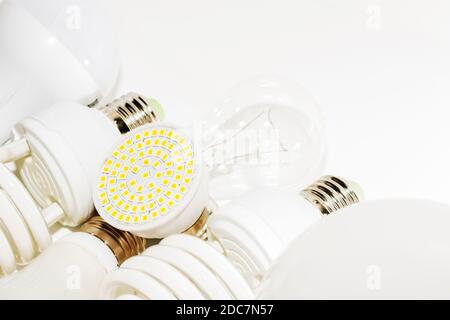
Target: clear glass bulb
(385,249)
(267,132)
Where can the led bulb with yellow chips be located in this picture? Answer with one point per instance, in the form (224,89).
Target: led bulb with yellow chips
(153,184)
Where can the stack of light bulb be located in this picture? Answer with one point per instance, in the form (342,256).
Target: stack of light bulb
(153,183)
(53,50)
(247,236)
(74,266)
(57,155)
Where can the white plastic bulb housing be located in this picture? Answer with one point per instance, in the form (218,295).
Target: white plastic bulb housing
(267,132)
(181,267)
(57,155)
(255,229)
(53,50)
(153,183)
(384,249)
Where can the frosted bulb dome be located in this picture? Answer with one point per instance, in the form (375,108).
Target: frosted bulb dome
(51,51)
(267,132)
(83,27)
(387,249)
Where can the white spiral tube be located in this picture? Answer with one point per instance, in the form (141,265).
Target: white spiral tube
(181,267)
(24,226)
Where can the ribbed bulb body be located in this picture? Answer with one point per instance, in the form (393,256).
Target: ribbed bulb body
(57,155)
(246,237)
(75,266)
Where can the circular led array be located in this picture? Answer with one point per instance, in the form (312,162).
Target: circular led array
(147,176)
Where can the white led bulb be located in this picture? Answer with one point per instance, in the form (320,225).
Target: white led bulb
(181,267)
(74,266)
(384,249)
(255,229)
(53,50)
(57,155)
(153,183)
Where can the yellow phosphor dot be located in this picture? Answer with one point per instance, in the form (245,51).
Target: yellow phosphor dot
(153,170)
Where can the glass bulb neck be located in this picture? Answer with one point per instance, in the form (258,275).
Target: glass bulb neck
(133,111)
(330,194)
(123,244)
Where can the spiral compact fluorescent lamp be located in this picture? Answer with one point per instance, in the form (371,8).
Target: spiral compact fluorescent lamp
(75,266)
(181,267)
(255,229)
(153,184)
(267,132)
(383,249)
(247,236)
(53,50)
(58,154)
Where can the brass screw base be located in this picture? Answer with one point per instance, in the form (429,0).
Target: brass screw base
(132,111)
(330,194)
(123,244)
(200,227)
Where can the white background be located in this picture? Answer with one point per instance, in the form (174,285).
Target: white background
(379,69)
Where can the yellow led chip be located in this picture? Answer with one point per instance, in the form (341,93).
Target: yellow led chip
(135,169)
